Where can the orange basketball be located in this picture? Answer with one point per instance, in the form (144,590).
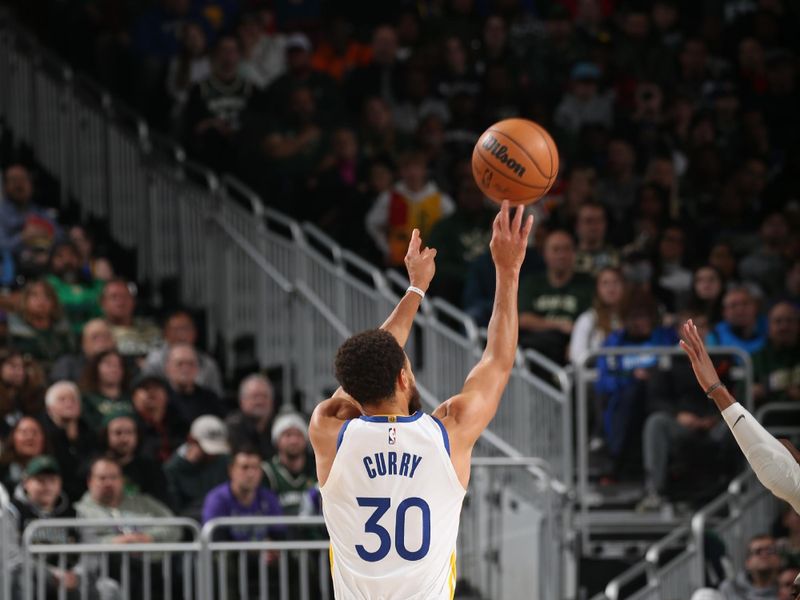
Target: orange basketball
(515,160)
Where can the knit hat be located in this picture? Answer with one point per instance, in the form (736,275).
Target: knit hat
(291,420)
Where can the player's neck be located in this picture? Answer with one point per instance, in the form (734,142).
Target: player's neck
(387,407)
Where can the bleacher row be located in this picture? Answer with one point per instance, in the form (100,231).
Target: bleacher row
(258,274)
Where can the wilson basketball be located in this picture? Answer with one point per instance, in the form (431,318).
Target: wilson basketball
(515,160)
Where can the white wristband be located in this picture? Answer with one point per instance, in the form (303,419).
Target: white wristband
(416,291)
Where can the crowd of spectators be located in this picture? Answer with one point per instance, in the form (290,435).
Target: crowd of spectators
(104,413)
(678,197)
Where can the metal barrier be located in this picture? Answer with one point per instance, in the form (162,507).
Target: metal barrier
(781,409)
(9,550)
(301,566)
(146,570)
(584,376)
(675,566)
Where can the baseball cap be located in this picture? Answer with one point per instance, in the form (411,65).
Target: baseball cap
(42,464)
(145,379)
(291,420)
(211,434)
(298,41)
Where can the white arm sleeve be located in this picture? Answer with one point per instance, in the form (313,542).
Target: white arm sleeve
(772,463)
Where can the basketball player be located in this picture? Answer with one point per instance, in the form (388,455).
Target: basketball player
(392,478)
(776,464)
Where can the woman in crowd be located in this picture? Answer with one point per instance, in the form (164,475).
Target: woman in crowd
(706,293)
(38,329)
(104,386)
(593,326)
(21,389)
(27,441)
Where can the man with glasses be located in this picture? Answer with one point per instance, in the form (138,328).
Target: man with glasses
(759,580)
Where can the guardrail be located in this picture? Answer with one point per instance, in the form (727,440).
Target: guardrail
(675,566)
(586,375)
(9,552)
(781,409)
(146,570)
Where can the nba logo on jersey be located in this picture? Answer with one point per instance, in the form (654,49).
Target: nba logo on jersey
(392,435)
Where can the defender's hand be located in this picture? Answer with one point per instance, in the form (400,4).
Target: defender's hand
(702,366)
(510,238)
(420,262)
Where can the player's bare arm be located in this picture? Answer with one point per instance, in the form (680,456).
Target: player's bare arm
(329,415)
(467,414)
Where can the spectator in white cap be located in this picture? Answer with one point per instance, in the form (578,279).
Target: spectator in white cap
(291,472)
(199,465)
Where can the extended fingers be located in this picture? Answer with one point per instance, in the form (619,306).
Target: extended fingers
(526,229)
(517,224)
(416,241)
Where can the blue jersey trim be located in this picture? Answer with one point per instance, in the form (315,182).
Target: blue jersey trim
(444,434)
(341,434)
(392,419)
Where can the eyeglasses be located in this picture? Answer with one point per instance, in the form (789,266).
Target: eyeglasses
(764,551)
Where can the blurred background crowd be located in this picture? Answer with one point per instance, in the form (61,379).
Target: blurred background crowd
(678,197)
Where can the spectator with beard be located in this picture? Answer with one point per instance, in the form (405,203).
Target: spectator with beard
(180,328)
(104,384)
(96,337)
(198,465)
(26,231)
(300,73)
(78,295)
(214,111)
(134,336)
(119,439)
(161,429)
(40,496)
(252,423)
(21,390)
(189,399)
(71,439)
(38,330)
(291,472)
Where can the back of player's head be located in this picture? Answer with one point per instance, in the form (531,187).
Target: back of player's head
(367,365)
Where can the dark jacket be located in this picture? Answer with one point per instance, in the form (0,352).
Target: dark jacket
(242,431)
(144,475)
(676,390)
(72,455)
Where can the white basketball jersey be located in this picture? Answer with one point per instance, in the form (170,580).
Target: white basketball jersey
(392,503)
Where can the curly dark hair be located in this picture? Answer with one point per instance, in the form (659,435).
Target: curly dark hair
(367,365)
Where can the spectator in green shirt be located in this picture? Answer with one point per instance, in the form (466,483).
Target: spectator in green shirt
(38,330)
(291,472)
(78,293)
(776,367)
(459,239)
(104,385)
(549,302)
